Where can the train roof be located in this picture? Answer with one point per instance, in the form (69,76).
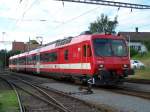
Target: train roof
(74,40)
(65,42)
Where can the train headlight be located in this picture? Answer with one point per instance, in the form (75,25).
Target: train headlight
(101,66)
(125,66)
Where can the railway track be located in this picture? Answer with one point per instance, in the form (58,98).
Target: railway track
(140,81)
(117,89)
(60,101)
(32,99)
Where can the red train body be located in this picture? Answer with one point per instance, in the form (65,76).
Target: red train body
(101,57)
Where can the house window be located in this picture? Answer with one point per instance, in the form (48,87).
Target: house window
(139,48)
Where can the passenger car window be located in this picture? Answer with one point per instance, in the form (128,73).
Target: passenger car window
(48,57)
(53,57)
(66,54)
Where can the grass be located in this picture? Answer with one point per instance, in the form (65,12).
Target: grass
(142,73)
(8,101)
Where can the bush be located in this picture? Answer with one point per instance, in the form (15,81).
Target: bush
(147,44)
(133,52)
(0,106)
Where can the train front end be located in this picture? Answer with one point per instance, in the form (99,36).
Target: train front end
(112,61)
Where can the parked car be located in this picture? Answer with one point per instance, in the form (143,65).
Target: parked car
(136,64)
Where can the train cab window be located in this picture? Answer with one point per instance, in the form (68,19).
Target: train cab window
(15,61)
(66,54)
(10,61)
(22,60)
(86,51)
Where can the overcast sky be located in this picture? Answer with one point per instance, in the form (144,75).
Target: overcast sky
(51,20)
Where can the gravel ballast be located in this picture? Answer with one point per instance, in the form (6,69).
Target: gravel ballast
(122,103)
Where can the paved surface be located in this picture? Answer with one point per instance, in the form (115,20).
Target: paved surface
(123,103)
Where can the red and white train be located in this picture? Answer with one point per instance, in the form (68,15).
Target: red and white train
(102,57)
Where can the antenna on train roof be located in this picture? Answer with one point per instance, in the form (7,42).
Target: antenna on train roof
(86,33)
(68,37)
(59,40)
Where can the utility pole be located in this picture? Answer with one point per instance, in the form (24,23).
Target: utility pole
(129,44)
(3,36)
(29,45)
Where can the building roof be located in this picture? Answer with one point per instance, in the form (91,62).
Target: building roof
(136,36)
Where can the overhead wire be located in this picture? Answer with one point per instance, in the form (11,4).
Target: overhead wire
(33,3)
(23,14)
(74,18)
(63,23)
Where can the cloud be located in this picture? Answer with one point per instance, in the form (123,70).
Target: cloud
(24,20)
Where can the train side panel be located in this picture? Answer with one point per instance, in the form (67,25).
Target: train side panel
(78,58)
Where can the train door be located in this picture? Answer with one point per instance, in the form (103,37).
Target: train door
(80,61)
(27,62)
(76,58)
(63,60)
(17,63)
(38,62)
(86,58)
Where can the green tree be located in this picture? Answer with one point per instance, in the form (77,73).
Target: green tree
(4,57)
(33,42)
(103,24)
(9,54)
(12,53)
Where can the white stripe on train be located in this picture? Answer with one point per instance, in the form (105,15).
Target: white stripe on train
(86,66)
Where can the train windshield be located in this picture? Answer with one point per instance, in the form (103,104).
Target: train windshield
(109,47)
